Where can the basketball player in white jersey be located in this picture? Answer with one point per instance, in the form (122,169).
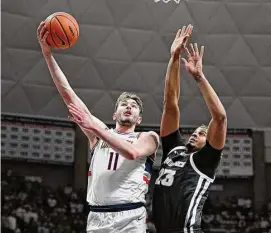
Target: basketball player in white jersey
(121,158)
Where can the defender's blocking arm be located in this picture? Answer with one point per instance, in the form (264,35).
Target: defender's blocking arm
(217,129)
(171,113)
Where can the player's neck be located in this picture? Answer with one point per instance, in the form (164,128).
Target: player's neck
(189,148)
(124,128)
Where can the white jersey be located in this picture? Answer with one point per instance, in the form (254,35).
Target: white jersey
(113,179)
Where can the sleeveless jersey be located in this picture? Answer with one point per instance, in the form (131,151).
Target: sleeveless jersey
(113,179)
(180,192)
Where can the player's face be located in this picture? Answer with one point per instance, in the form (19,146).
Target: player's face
(198,139)
(127,113)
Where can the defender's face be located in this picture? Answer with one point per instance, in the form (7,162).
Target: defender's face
(198,139)
(127,113)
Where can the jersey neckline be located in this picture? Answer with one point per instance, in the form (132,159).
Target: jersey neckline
(123,133)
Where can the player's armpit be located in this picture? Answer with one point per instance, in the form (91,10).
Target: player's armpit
(170,119)
(207,159)
(146,145)
(216,134)
(93,139)
(93,143)
(170,142)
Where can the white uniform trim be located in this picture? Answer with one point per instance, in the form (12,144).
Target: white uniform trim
(198,171)
(176,148)
(194,212)
(188,214)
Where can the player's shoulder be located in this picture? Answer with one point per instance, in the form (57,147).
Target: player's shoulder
(209,149)
(150,134)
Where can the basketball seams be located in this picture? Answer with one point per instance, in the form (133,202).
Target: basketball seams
(75,26)
(51,32)
(62,24)
(63,30)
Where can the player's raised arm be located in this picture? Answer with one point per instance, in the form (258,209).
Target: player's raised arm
(146,145)
(171,113)
(216,134)
(61,81)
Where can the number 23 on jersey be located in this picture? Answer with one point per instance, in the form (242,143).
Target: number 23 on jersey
(166,177)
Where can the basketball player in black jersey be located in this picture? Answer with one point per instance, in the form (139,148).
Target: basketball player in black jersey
(187,170)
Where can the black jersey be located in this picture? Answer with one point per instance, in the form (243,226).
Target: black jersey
(182,186)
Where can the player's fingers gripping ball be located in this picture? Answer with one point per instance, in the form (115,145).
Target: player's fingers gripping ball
(63,30)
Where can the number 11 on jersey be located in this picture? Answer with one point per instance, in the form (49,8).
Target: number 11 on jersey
(166,177)
(113,161)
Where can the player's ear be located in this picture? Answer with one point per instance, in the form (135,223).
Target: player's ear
(139,119)
(114,116)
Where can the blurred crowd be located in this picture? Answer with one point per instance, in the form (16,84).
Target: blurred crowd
(236,215)
(29,206)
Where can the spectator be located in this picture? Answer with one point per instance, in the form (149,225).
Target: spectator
(28,206)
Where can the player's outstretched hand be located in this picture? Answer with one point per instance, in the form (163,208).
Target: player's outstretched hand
(193,64)
(180,40)
(42,35)
(81,117)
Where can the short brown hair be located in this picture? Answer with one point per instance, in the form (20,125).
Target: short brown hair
(133,96)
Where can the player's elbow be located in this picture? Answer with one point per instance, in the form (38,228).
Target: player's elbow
(171,106)
(221,118)
(133,154)
(132,157)
(130,154)
(170,100)
(66,96)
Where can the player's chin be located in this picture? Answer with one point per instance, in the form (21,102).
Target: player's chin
(192,143)
(126,122)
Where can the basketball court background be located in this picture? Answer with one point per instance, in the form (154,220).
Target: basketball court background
(124,45)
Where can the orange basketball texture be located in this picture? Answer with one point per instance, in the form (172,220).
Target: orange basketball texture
(63,30)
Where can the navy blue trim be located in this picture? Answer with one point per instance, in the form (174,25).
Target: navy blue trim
(94,147)
(148,165)
(115,208)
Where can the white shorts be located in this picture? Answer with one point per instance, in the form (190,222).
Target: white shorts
(129,221)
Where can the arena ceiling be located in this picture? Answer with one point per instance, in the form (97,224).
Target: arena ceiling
(124,46)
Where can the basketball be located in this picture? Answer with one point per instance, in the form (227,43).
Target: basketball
(63,30)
